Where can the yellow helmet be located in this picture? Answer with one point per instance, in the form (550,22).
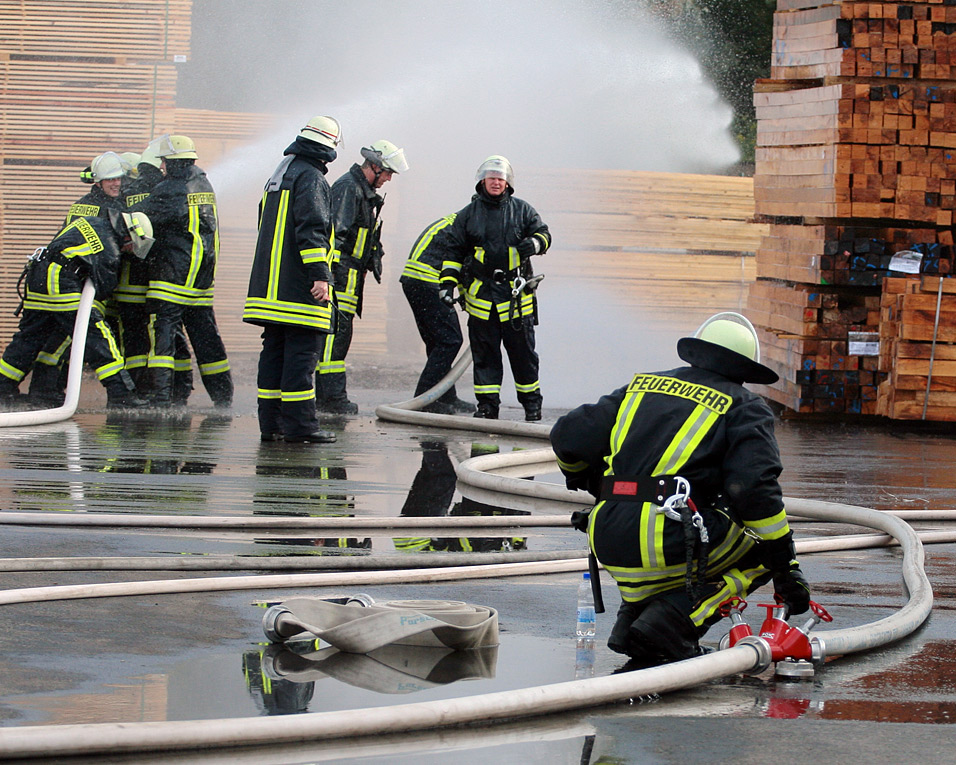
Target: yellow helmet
(133,159)
(176,147)
(727,343)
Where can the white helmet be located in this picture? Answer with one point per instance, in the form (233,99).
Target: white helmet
(386,155)
(323,130)
(140,231)
(496,166)
(108,165)
(150,154)
(176,147)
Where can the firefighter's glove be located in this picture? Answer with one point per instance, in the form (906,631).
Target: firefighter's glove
(780,557)
(447,296)
(793,589)
(527,247)
(375,266)
(579,519)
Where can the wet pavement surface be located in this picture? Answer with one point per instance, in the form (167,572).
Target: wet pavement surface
(202,655)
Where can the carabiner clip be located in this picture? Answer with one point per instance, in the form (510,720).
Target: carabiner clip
(519,284)
(677,500)
(698,520)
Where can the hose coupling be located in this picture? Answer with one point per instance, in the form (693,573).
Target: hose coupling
(764,654)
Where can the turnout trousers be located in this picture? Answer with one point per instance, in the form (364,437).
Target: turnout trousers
(440,331)
(286,392)
(37,327)
(199,322)
(646,554)
(330,382)
(486,338)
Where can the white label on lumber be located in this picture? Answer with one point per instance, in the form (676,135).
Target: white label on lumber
(906,261)
(863,343)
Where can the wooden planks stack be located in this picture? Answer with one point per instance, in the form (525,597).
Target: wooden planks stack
(918,351)
(77,78)
(855,161)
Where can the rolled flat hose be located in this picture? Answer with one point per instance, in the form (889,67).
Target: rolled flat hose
(361,629)
(395,669)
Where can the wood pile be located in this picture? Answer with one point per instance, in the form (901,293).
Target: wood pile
(77,78)
(918,351)
(855,163)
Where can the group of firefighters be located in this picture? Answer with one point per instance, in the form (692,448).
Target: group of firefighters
(683,464)
(146,237)
(316,245)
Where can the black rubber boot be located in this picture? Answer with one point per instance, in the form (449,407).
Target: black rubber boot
(220,389)
(318,437)
(619,640)
(532,412)
(336,406)
(486,411)
(663,631)
(45,386)
(9,391)
(121,393)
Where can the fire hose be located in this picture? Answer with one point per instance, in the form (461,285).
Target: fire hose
(490,474)
(74,378)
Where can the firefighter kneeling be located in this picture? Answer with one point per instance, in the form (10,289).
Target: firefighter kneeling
(684,466)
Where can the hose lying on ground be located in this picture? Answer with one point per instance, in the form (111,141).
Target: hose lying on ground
(747,655)
(750,654)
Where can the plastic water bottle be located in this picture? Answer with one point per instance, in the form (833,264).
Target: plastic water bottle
(584,658)
(585,626)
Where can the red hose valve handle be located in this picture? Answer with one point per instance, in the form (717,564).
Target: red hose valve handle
(733,608)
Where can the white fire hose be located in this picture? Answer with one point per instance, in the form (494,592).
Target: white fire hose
(749,655)
(364,627)
(74,378)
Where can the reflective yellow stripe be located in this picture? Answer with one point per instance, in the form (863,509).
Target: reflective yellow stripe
(774,527)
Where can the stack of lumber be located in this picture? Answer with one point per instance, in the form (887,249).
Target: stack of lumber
(857,151)
(856,137)
(918,349)
(77,78)
(897,40)
(646,211)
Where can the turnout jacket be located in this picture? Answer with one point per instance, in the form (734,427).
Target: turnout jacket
(356,207)
(425,260)
(480,252)
(295,237)
(134,272)
(86,248)
(182,262)
(689,422)
(94,204)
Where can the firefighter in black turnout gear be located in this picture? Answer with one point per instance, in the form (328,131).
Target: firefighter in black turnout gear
(289,286)
(640,449)
(356,210)
(182,273)
(87,248)
(106,173)
(437,322)
(492,241)
(130,293)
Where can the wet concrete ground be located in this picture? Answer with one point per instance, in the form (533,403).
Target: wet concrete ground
(200,656)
